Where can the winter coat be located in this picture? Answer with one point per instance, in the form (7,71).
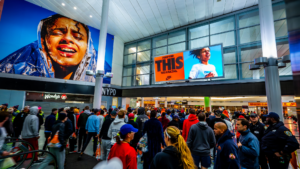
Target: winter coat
(18,122)
(192,119)
(105,127)
(174,123)
(72,118)
(164,121)
(169,158)
(59,126)
(249,151)
(226,153)
(114,129)
(68,128)
(258,130)
(49,122)
(31,124)
(83,118)
(93,124)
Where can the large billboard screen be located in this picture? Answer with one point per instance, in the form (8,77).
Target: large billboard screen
(37,42)
(200,63)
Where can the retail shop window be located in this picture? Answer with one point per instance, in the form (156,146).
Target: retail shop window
(142,80)
(130,49)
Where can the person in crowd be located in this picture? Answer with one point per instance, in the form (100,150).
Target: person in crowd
(181,120)
(15,112)
(4,107)
(49,122)
(19,120)
(115,126)
(41,121)
(176,155)
(228,123)
(81,126)
(69,129)
(248,146)
(92,130)
(141,119)
(103,138)
(59,153)
(168,115)
(85,108)
(41,113)
(187,114)
(129,110)
(200,140)
(8,125)
(72,117)
(155,138)
(122,149)
(135,115)
(164,121)
(101,117)
(30,130)
(4,116)
(148,113)
(135,140)
(226,149)
(125,116)
(175,122)
(217,119)
(278,142)
(258,129)
(192,119)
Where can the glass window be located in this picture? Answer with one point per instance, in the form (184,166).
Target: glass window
(251,34)
(283,49)
(179,47)
(279,11)
(128,71)
(159,41)
(246,73)
(153,80)
(230,72)
(222,26)
(286,71)
(143,56)
(281,28)
(130,48)
(250,53)
(227,39)
(159,51)
(249,19)
(142,80)
(127,81)
(129,59)
(199,31)
(142,69)
(229,56)
(176,37)
(145,45)
(197,43)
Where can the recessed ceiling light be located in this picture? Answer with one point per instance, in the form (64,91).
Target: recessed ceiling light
(62,4)
(91,16)
(75,7)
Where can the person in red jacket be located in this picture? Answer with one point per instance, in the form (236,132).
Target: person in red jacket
(122,149)
(192,119)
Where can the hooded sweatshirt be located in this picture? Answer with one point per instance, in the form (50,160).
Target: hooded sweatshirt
(201,139)
(141,119)
(83,119)
(114,129)
(31,124)
(93,124)
(164,122)
(192,119)
(167,159)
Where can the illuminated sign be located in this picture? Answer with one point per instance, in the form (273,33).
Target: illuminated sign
(52,96)
(265,104)
(63,96)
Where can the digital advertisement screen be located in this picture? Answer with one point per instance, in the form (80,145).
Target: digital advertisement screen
(199,63)
(38,42)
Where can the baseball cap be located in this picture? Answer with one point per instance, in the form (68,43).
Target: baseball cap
(127,128)
(253,115)
(218,112)
(113,113)
(130,115)
(272,115)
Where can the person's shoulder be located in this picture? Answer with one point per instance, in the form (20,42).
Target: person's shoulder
(211,65)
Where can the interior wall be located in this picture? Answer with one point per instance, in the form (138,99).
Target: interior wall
(12,98)
(117,63)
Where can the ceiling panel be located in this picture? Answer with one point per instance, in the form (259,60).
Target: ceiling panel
(135,19)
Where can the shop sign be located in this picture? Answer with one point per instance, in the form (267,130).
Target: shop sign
(161,102)
(178,102)
(265,104)
(149,102)
(52,96)
(111,92)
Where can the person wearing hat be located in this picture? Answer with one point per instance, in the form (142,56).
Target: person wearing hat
(278,142)
(175,122)
(59,153)
(4,107)
(258,129)
(41,113)
(122,148)
(15,112)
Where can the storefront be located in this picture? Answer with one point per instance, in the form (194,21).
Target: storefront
(288,107)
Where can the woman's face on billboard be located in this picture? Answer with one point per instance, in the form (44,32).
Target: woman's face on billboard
(204,55)
(66,41)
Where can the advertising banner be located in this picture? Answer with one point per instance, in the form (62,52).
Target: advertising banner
(1,7)
(200,63)
(37,42)
(265,104)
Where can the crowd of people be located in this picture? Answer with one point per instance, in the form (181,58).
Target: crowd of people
(172,138)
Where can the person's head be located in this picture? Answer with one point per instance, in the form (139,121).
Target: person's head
(66,109)
(218,114)
(121,114)
(148,112)
(3,117)
(64,40)
(242,125)
(26,109)
(134,112)
(176,118)
(220,128)
(202,54)
(76,111)
(168,111)
(131,116)
(16,107)
(63,117)
(253,118)
(95,111)
(54,110)
(113,114)
(173,137)
(86,108)
(201,117)
(192,111)
(153,113)
(102,112)
(4,106)
(272,118)
(10,110)
(72,109)
(126,133)
(104,109)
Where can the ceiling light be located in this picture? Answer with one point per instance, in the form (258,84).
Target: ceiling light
(75,7)
(91,16)
(62,4)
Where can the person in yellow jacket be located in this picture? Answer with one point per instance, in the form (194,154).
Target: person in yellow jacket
(41,113)
(15,113)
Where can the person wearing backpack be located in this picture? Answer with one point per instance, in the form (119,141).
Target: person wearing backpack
(200,140)
(58,152)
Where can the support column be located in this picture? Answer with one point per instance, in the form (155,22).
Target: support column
(207,105)
(269,50)
(101,55)
(166,102)
(156,102)
(142,102)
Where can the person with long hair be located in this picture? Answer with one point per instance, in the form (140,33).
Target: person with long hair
(176,155)
(122,148)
